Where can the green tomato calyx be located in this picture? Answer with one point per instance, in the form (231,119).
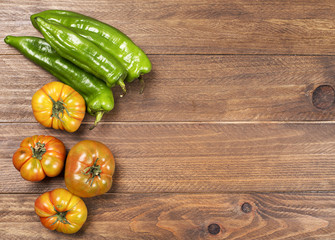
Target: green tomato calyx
(61,217)
(58,108)
(93,171)
(38,150)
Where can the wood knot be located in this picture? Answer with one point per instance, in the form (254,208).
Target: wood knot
(246,207)
(214,229)
(323,97)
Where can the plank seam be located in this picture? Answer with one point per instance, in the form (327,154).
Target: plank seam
(218,54)
(193,122)
(196,193)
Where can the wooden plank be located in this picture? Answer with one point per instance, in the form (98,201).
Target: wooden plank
(183,216)
(198,27)
(194,88)
(195,157)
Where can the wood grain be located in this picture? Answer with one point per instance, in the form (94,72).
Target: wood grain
(197,26)
(183,216)
(195,157)
(226,122)
(194,88)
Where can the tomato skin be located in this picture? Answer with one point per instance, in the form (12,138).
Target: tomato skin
(35,167)
(85,156)
(70,104)
(60,210)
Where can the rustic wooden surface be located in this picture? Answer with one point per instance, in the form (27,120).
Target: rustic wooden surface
(233,137)
(184,216)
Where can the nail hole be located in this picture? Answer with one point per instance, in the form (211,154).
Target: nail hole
(246,207)
(323,97)
(214,229)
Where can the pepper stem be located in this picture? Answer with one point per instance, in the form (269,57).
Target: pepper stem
(97,119)
(142,83)
(122,85)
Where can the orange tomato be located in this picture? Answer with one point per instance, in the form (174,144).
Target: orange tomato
(89,169)
(60,210)
(58,106)
(39,156)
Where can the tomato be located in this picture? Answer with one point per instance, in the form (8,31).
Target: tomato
(60,210)
(39,156)
(89,169)
(58,106)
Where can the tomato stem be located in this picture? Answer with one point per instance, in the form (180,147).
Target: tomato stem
(58,108)
(38,150)
(61,217)
(94,171)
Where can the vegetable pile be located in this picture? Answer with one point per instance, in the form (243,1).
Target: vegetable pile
(89,170)
(86,54)
(89,58)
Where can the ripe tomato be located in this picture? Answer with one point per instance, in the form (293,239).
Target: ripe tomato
(89,169)
(58,106)
(60,210)
(39,156)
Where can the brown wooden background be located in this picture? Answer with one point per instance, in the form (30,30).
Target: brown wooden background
(227,141)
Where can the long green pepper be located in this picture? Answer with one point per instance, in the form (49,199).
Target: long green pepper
(83,53)
(105,36)
(98,97)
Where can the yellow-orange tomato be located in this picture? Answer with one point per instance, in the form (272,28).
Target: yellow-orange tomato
(58,106)
(39,156)
(60,210)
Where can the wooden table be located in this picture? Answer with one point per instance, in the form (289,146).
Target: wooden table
(233,138)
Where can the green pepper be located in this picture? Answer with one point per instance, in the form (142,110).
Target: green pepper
(83,53)
(107,37)
(99,98)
